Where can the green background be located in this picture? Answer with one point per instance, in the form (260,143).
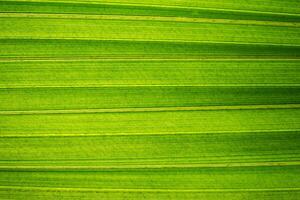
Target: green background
(151,99)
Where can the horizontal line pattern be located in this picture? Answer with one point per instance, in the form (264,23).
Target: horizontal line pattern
(149,18)
(149,100)
(154,109)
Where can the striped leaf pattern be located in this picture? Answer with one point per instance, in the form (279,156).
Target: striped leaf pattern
(150,99)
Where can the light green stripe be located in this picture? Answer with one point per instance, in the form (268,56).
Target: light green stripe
(148,18)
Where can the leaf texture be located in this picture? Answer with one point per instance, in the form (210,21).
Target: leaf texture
(168,99)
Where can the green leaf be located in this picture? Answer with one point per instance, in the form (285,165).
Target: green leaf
(150,100)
